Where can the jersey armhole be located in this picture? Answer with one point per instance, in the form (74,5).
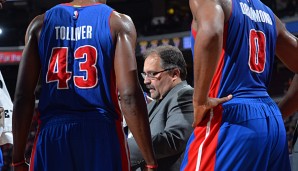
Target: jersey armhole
(110,35)
(231,11)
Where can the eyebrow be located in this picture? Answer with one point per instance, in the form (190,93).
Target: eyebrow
(152,71)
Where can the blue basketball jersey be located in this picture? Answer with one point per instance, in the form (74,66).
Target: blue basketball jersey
(233,135)
(247,57)
(79,112)
(76,53)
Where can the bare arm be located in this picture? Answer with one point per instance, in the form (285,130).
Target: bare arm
(207,47)
(133,103)
(209,19)
(286,47)
(287,52)
(24,98)
(288,105)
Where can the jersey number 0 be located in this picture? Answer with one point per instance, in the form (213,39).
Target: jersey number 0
(257,51)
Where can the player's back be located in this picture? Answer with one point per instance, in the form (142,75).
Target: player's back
(76,51)
(248,51)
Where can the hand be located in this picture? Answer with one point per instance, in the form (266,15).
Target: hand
(1,3)
(201,110)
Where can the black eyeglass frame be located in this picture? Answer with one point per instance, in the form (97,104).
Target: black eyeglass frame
(151,75)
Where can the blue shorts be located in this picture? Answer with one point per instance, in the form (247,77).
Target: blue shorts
(77,143)
(242,134)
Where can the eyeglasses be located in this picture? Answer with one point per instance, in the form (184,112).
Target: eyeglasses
(152,75)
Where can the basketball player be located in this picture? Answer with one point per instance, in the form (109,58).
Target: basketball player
(84,52)
(235,45)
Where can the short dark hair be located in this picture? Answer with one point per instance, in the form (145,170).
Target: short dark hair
(170,57)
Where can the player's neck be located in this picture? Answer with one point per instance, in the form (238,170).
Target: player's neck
(87,2)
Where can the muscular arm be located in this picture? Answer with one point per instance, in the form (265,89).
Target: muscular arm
(286,47)
(287,52)
(133,103)
(24,98)
(209,18)
(208,46)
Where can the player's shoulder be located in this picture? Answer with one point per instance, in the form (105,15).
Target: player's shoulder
(35,25)
(37,22)
(120,17)
(119,21)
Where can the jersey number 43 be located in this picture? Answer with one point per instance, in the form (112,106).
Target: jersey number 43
(58,67)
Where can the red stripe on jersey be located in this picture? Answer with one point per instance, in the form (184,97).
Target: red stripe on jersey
(202,151)
(194,33)
(123,147)
(215,84)
(119,128)
(34,144)
(200,134)
(114,94)
(210,145)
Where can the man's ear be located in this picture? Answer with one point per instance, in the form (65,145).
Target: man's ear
(176,73)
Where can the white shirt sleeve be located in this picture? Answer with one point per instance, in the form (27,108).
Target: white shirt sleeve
(6,116)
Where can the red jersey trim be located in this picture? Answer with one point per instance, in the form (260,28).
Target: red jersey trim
(202,150)
(193,32)
(215,84)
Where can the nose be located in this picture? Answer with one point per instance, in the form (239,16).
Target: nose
(147,81)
